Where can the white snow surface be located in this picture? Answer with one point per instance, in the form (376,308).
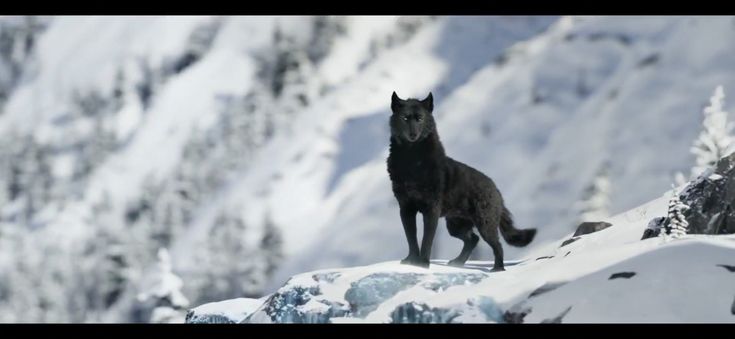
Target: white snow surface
(535,103)
(681,280)
(632,113)
(234,309)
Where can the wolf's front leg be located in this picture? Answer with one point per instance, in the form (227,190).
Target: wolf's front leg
(408,218)
(431,219)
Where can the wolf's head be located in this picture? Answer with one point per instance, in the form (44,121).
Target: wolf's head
(412,119)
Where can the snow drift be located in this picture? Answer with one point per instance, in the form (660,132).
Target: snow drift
(264,139)
(607,275)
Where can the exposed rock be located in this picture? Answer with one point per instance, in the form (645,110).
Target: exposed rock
(298,304)
(367,293)
(730,268)
(422,314)
(625,275)
(569,241)
(710,198)
(223,312)
(516,313)
(445,280)
(546,287)
(193,318)
(303,298)
(654,228)
(489,308)
(558,318)
(328,277)
(588,227)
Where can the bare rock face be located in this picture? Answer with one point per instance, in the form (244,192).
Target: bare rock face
(588,227)
(710,198)
(654,228)
(569,241)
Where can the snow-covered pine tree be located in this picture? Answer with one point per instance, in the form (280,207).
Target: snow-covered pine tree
(30,176)
(169,303)
(3,190)
(405,28)
(148,84)
(325,29)
(293,80)
(230,267)
(118,91)
(106,260)
(199,42)
(678,225)
(172,209)
(96,143)
(271,246)
(595,200)
(715,141)
(18,35)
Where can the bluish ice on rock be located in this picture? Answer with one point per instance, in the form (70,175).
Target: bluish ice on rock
(194,318)
(419,313)
(490,308)
(366,294)
(442,281)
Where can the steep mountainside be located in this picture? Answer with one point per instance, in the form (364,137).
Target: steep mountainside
(265,138)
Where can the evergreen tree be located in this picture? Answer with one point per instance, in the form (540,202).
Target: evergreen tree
(325,29)
(229,266)
(677,223)
(107,257)
(30,176)
(271,246)
(292,79)
(148,84)
(715,141)
(199,42)
(119,91)
(165,295)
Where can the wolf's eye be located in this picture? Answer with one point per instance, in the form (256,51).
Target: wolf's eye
(419,119)
(405,118)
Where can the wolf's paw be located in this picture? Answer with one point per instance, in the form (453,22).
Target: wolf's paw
(498,269)
(456,263)
(410,260)
(421,262)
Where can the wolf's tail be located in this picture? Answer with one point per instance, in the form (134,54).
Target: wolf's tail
(512,235)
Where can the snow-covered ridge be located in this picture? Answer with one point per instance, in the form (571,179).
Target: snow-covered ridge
(632,283)
(612,275)
(264,139)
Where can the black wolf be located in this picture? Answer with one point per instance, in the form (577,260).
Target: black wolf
(426,180)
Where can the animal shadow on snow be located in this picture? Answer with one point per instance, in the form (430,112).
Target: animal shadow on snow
(482,266)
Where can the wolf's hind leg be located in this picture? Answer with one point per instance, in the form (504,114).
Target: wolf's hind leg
(462,229)
(489,232)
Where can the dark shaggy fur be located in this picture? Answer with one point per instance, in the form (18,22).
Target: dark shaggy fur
(426,180)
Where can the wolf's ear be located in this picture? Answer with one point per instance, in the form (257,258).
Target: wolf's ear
(428,102)
(395,101)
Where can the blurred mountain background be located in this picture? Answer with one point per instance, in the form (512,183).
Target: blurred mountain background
(221,155)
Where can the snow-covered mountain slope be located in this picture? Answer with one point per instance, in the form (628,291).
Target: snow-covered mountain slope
(607,276)
(264,139)
(541,120)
